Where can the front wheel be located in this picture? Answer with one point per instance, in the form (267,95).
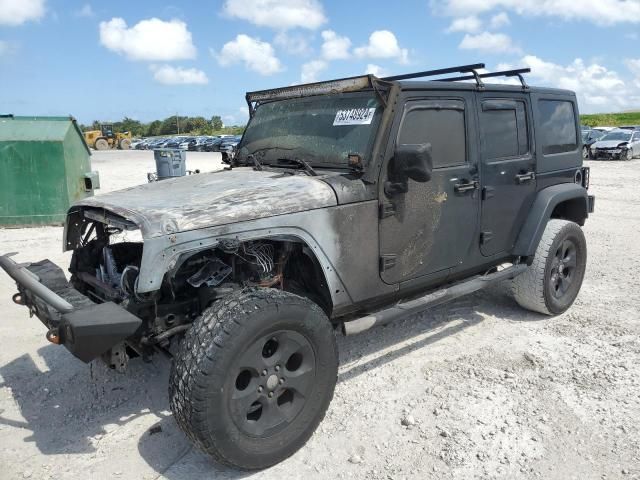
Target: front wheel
(627,154)
(254,376)
(551,283)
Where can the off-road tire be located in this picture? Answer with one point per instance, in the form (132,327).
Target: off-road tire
(203,378)
(101,144)
(534,288)
(125,144)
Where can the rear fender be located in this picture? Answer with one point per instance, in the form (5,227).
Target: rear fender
(567,200)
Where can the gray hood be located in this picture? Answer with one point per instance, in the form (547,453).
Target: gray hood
(609,144)
(215,198)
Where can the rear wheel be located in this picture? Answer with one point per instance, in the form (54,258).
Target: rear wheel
(101,144)
(254,376)
(585,152)
(552,282)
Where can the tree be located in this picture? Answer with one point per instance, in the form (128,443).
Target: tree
(216,123)
(153,129)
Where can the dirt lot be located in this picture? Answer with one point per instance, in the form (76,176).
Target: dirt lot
(486,389)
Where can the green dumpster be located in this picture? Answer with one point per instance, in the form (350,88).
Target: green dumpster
(44,167)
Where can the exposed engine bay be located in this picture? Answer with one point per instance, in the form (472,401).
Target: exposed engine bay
(106,265)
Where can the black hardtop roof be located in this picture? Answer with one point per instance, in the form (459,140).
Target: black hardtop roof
(487,87)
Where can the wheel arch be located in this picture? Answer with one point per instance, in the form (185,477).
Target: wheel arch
(567,201)
(323,282)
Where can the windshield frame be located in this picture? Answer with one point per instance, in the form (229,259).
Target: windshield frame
(367,156)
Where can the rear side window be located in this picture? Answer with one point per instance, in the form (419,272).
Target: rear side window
(504,129)
(440,123)
(557,126)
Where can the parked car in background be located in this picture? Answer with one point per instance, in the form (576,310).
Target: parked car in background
(589,137)
(213,145)
(228,144)
(619,144)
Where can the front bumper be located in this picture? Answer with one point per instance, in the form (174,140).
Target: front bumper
(607,154)
(87,329)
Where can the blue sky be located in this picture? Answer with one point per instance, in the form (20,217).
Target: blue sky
(150,59)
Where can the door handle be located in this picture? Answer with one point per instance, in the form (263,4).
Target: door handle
(525,177)
(465,187)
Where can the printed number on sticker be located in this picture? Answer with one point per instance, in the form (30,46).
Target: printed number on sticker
(354,116)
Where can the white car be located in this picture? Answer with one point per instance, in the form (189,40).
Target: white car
(617,145)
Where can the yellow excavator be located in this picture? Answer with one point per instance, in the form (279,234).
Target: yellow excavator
(105,138)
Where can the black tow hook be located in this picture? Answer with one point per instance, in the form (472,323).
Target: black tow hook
(18,299)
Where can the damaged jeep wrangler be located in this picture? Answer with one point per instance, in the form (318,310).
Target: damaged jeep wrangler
(347,204)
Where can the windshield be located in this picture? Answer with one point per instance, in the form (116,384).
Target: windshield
(322,130)
(622,136)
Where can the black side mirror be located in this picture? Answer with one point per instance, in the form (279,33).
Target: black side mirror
(410,161)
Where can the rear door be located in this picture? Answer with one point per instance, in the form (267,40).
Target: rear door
(508,169)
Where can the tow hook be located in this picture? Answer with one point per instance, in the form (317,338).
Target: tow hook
(53,337)
(18,299)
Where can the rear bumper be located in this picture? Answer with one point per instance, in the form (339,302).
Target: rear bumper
(85,328)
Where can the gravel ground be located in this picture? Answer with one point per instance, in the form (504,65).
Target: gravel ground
(475,389)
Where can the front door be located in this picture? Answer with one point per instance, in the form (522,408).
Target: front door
(508,169)
(432,227)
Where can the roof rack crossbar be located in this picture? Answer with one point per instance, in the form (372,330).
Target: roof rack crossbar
(431,73)
(506,73)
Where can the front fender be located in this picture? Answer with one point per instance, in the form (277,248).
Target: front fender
(162,254)
(543,206)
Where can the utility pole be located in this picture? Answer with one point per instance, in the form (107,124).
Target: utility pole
(178,122)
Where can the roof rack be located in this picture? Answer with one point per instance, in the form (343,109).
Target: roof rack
(431,73)
(505,73)
(379,85)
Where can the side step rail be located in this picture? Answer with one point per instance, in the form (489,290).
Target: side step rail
(404,309)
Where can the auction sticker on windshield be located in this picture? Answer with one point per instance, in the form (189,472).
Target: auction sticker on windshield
(354,116)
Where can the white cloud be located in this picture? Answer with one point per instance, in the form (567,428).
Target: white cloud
(256,55)
(500,20)
(17,12)
(601,12)
(168,75)
(633,64)
(278,14)
(376,70)
(383,44)
(311,70)
(294,44)
(335,47)
(86,11)
(489,43)
(152,39)
(598,88)
(469,24)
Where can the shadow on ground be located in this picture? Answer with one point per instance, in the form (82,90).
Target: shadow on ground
(68,406)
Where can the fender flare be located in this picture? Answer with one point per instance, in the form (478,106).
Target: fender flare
(541,210)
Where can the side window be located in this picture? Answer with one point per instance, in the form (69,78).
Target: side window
(440,123)
(557,126)
(504,128)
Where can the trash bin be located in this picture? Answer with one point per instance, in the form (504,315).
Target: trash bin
(45,166)
(170,163)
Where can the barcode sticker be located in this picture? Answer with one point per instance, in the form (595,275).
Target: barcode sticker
(354,116)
